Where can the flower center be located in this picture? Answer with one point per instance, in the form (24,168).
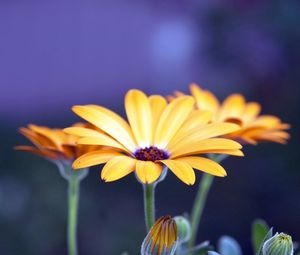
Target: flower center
(234,121)
(151,153)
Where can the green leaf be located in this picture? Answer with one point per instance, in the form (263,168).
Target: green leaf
(229,246)
(259,232)
(267,237)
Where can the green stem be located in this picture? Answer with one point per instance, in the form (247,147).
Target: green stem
(73,198)
(149,205)
(200,201)
(199,205)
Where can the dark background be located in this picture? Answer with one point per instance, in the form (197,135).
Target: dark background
(54,54)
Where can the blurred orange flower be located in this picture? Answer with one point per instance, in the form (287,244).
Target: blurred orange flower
(254,127)
(53,144)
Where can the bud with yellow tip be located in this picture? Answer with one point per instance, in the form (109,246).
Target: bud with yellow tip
(162,238)
(279,244)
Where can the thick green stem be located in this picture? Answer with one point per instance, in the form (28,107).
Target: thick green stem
(73,178)
(73,198)
(200,201)
(149,205)
(199,205)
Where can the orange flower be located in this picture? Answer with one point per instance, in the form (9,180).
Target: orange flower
(234,109)
(53,144)
(162,238)
(157,134)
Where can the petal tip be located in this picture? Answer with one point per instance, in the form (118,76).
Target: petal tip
(194,85)
(103,178)
(76,164)
(67,130)
(75,108)
(133,92)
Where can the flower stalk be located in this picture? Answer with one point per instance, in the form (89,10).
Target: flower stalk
(73,178)
(149,204)
(199,204)
(200,201)
(73,199)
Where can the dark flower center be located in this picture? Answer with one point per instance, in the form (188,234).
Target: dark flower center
(151,153)
(234,121)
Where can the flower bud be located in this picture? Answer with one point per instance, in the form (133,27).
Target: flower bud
(162,238)
(279,244)
(183,228)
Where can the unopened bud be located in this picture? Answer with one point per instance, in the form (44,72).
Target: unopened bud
(162,238)
(279,244)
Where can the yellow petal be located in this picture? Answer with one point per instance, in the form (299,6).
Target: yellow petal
(252,133)
(248,140)
(101,141)
(237,153)
(178,93)
(37,139)
(93,137)
(281,134)
(283,126)
(82,131)
(41,152)
(182,170)
(94,158)
(205,165)
(270,138)
(266,121)
(202,133)
(117,167)
(47,132)
(212,144)
(195,120)
(148,171)
(205,100)
(158,104)
(232,107)
(274,136)
(171,119)
(109,122)
(139,114)
(251,111)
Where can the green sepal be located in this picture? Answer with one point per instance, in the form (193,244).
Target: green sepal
(183,229)
(66,171)
(259,231)
(268,236)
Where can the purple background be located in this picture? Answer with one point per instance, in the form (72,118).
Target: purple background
(54,54)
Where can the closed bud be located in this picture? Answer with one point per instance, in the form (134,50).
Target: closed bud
(162,238)
(279,244)
(183,228)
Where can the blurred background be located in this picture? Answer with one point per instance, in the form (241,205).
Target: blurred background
(54,54)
